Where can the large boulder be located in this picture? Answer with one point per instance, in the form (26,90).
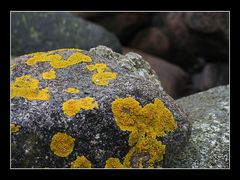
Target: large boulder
(209,145)
(42,31)
(97,108)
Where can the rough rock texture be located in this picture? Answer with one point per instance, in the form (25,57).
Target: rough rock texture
(209,145)
(174,80)
(41,31)
(96,134)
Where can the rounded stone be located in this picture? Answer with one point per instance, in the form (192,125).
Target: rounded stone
(96,133)
(209,145)
(43,31)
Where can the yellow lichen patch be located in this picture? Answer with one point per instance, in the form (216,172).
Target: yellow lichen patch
(73,106)
(126,113)
(166,115)
(158,117)
(151,146)
(42,57)
(145,124)
(14,128)
(49,75)
(113,163)
(56,60)
(102,79)
(81,162)
(28,87)
(62,144)
(71,60)
(71,90)
(134,136)
(91,67)
(100,67)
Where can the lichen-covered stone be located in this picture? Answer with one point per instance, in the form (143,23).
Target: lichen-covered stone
(43,31)
(209,144)
(87,118)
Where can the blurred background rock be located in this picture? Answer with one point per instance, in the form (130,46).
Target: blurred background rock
(188,50)
(42,31)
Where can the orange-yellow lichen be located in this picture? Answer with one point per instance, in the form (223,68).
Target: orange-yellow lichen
(62,144)
(49,75)
(99,67)
(73,106)
(56,60)
(126,113)
(71,60)
(146,145)
(28,87)
(102,79)
(81,162)
(158,118)
(91,67)
(42,57)
(145,124)
(71,90)
(113,163)
(14,128)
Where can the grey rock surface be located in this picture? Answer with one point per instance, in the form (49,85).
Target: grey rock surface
(43,31)
(96,133)
(208,146)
